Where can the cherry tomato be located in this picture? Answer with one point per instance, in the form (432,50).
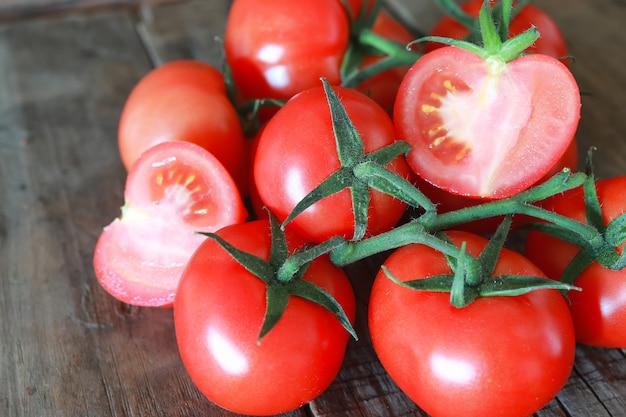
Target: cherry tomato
(599,310)
(484,129)
(297,151)
(183,100)
(551,41)
(173,190)
(218,314)
(498,356)
(276,50)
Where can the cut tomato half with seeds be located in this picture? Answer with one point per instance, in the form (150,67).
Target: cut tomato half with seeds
(484,128)
(174,190)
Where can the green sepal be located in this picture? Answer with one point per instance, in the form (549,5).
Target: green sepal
(337,181)
(385,181)
(309,291)
(577,265)
(461,292)
(512,285)
(436,283)
(277,297)
(615,232)
(258,267)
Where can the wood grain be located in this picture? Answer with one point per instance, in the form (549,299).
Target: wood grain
(69,349)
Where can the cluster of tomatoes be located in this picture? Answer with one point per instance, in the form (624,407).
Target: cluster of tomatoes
(328,140)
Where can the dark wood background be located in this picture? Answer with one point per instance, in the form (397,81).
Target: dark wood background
(69,349)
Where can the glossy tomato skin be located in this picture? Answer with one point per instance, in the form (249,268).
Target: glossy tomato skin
(599,310)
(297,151)
(218,314)
(551,41)
(183,100)
(276,49)
(174,190)
(486,131)
(498,356)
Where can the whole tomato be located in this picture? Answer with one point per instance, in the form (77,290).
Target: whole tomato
(276,49)
(498,356)
(599,310)
(297,151)
(218,314)
(551,42)
(186,101)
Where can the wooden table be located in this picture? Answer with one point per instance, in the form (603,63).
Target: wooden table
(69,349)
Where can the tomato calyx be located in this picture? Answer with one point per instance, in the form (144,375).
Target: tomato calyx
(602,246)
(360,171)
(495,46)
(283,275)
(365,42)
(503,12)
(473,277)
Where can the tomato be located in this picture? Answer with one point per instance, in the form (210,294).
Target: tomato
(183,100)
(276,49)
(551,41)
(498,356)
(482,128)
(297,151)
(599,310)
(218,314)
(173,190)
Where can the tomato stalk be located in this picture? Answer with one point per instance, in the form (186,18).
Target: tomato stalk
(493,47)
(601,246)
(503,11)
(364,42)
(430,222)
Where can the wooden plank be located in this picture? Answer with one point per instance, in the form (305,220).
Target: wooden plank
(69,349)
(26,9)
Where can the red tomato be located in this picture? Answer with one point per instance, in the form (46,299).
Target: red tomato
(218,313)
(276,49)
(183,101)
(599,310)
(484,129)
(498,356)
(551,41)
(173,190)
(297,151)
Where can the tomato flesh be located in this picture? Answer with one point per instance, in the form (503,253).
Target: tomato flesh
(485,129)
(173,190)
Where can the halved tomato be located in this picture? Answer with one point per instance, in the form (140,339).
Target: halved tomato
(174,190)
(484,128)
